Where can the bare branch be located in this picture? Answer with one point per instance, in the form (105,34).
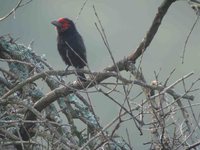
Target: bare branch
(12,11)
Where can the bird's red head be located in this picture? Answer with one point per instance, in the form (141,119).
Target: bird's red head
(62,24)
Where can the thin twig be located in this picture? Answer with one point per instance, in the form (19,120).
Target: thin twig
(186,41)
(17,61)
(79,13)
(106,43)
(12,11)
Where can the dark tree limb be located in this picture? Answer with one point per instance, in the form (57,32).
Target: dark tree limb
(162,10)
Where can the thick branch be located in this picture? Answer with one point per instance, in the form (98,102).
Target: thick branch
(162,10)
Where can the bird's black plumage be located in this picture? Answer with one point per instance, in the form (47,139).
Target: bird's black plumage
(70,45)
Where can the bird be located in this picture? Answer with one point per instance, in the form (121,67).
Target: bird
(70,45)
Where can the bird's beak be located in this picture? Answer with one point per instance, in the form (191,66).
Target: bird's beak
(56,23)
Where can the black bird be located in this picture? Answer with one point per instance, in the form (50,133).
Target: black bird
(70,45)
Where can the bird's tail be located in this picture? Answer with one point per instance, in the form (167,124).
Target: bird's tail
(81,76)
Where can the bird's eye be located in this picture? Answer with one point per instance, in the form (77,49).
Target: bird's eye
(65,25)
(62,21)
